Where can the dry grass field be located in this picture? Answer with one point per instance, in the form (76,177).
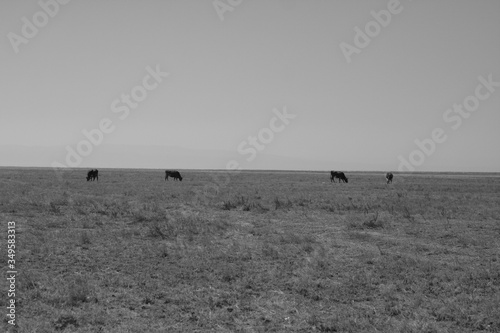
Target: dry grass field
(270,252)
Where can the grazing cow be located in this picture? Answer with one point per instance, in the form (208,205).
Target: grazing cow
(174,174)
(337,174)
(389,176)
(93,175)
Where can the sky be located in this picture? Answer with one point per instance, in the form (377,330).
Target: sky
(408,85)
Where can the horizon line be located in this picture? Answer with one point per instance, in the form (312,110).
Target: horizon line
(254,170)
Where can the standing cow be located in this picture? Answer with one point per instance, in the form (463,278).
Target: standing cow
(174,174)
(337,174)
(389,176)
(93,175)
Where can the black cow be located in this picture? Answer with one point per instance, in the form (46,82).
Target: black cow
(389,176)
(337,174)
(174,174)
(93,175)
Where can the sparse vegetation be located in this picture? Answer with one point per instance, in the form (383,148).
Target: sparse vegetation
(269,252)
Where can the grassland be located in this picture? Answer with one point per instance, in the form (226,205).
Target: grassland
(269,252)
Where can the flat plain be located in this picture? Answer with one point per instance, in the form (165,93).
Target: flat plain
(262,251)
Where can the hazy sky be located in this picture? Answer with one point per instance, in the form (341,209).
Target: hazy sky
(354,102)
